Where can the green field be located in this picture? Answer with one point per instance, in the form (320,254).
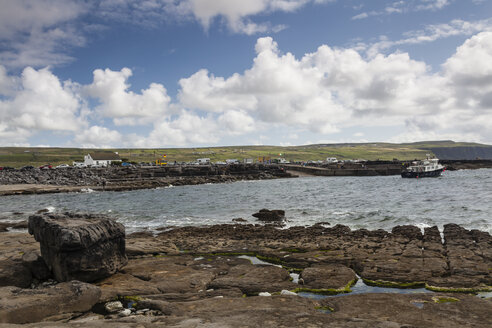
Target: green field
(19,156)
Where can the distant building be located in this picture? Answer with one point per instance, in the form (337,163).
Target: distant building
(203,161)
(100,159)
(248,161)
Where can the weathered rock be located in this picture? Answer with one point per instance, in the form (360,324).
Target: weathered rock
(158,275)
(253,279)
(327,276)
(408,231)
(32,305)
(137,244)
(35,263)
(14,273)
(81,247)
(270,216)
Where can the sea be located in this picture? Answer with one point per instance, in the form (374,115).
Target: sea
(463,197)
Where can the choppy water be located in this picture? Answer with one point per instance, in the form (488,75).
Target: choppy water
(463,197)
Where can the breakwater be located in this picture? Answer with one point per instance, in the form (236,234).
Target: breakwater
(117,178)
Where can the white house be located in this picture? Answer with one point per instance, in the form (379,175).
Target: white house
(100,159)
(203,161)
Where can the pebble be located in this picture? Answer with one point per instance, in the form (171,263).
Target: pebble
(287,292)
(113,307)
(125,313)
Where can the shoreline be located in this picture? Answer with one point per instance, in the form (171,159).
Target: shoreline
(206,274)
(125,179)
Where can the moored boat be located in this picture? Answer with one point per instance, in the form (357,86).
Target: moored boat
(429,167)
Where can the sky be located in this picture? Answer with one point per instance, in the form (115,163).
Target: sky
(199,73)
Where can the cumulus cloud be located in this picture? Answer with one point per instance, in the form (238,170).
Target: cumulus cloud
(123,106)
(321,93)
(37,101)
(99,137)
(330,89)
(185,129)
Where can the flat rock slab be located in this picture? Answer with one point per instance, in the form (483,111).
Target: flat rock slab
(327,276)
(32,305)
(136,246)
(404,255)
(158,275)
(352,311)
(81,247)
(253,279)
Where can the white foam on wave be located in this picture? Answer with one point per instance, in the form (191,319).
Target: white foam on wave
(51,209)
(422,226)
(86,190)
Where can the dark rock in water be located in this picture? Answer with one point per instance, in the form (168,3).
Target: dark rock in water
(35,263)
(81,247)
(32,305)
(239,220)
(269,216)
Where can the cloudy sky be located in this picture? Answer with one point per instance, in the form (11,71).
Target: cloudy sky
(169,73)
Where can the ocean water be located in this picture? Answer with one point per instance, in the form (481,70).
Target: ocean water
(462,197)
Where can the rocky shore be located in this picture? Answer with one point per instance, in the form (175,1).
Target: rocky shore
(244,275)
(115,178)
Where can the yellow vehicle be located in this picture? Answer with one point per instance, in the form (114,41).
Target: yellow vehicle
(161,161)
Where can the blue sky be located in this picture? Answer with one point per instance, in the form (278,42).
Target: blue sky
(169,73)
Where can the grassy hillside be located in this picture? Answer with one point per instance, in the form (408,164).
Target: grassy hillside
(17,157)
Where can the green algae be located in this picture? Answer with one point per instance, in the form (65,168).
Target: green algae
(459,290)
(325,309)
(394,284)
(131,298)
(444,299)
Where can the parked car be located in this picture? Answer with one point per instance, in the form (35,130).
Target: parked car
(46,167)
(27,167)
(6,168)
(62,166)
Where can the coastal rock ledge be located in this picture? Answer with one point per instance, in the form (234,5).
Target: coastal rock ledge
(79,247)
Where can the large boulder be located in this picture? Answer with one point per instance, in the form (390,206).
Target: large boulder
(79,247)
(32,305)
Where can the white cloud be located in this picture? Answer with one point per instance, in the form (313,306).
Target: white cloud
(321,93)
(236,15)
(430,33)
(402,7)
(41,33)
(187,128)
(37,101)
(331,89)
(432,4)
(123,106)
(98,137)
(38,32)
